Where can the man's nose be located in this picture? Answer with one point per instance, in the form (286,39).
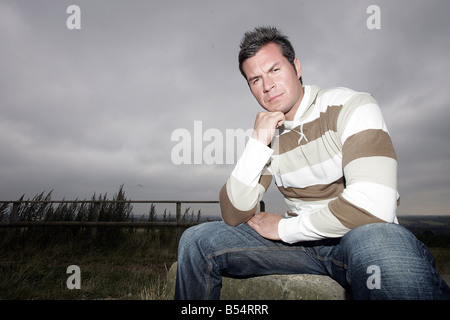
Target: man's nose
(268,84)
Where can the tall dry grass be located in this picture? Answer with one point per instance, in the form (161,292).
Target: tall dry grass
(118,263)
(134,268)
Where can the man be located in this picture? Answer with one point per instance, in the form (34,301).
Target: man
(331,156)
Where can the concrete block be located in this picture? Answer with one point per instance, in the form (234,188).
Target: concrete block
(275,287)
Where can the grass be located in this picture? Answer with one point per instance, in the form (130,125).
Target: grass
(118,263)
(442,259)
(133,268)
(114,266)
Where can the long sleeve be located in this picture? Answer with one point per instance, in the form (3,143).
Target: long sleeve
(249,180)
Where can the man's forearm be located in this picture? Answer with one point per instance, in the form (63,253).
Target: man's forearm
(241,194)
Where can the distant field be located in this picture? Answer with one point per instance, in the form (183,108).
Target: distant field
(419,224)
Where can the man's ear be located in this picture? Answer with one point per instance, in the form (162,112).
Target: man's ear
(298,67)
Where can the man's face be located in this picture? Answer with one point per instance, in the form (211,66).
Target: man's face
(273,81)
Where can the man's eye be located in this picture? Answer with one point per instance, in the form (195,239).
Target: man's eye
(276,70)
(255,81)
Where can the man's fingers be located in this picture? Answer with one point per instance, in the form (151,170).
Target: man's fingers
(280,123)
(265,125)
(266,224)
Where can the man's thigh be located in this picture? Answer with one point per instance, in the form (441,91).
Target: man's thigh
(240,251)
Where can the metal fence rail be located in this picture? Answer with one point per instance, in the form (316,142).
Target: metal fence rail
(95,223)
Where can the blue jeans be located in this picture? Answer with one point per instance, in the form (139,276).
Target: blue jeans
(374,261)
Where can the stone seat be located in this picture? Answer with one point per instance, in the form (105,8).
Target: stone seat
(275,287)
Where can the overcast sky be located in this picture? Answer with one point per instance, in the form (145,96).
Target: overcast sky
(85,111)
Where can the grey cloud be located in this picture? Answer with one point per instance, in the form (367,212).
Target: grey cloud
(85,111)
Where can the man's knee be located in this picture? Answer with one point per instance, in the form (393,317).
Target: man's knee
(191,235)
(197,237)
(386,246)
(387,260)
(380,235)
(381,240)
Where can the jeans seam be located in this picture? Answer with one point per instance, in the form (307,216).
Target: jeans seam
(225,251)
(208,282)
(338,263)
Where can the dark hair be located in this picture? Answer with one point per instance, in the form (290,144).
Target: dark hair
(254,40)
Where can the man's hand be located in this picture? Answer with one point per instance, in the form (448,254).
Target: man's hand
(265,125)
(266,224)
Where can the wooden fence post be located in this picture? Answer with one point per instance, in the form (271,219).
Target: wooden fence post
(13,218)
(95,217)
(262,206)
(177,228)
(15,211)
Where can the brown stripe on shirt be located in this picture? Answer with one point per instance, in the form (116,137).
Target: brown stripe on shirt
(231,215)
(312,130)
(266,178)
(367,143)
(315,192)
(350,215)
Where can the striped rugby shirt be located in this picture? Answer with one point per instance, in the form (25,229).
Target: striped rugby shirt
(334,164)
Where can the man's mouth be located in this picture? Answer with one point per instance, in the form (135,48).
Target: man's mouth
(272,99)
